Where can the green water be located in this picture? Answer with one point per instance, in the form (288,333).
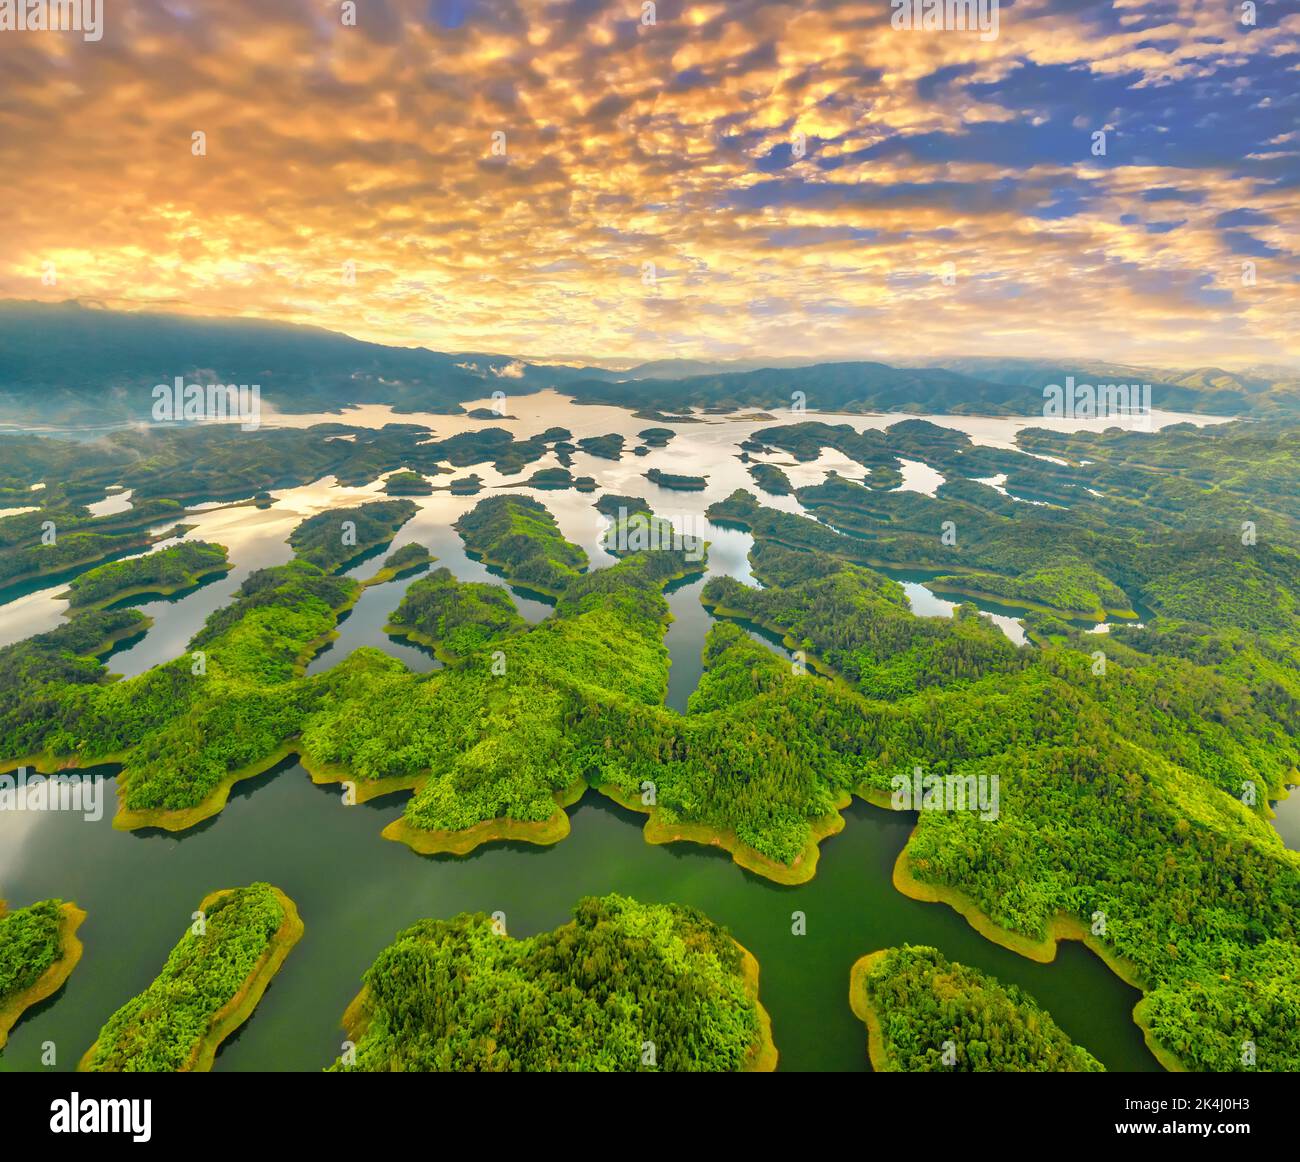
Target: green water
(355,890)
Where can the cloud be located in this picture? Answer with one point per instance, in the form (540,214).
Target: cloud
(674,143)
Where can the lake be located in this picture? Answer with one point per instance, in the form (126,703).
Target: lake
(355,890)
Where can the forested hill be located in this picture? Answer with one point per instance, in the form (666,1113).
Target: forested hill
(68,364)
(58,358)
(857,387)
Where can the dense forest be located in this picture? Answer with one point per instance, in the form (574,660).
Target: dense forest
(1134,770)
(38,952)
(210,984)
(929,1015)
(161,573)
(519,535)
(771,479)
(625,986)
(61,535)
(329,540)
(456,618)
(407,483)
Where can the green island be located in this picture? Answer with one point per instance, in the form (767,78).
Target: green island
(38,951)
(613,504)
(926,1014)
(410,558)
(62,535)
(771,479)
(408,483)
(519,535)
(625,987)
(456,619)
(210,985)
(608,447)
(163,573)
(333,539)
(675,482)
(557,478)
(657,437)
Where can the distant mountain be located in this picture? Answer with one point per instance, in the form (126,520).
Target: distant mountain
(825,387)
(686,368)
(1201,389)
(67,364)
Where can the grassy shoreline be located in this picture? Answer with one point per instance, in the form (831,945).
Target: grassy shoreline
(1043,951)
(763,1057)
(240,1007)
(53,978)
(464,841)
(866,1012)
(803,869)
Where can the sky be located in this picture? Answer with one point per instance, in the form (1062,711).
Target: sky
(593,180)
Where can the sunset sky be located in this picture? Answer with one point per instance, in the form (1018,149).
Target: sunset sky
(672,143)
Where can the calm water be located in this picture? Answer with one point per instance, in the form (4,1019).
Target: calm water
(356,890)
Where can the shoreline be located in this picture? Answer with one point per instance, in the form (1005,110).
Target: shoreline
(192,581)
(1043,951)
(53,978)
(764,1056)
(241,1006)
(1098,614)
(183,818)
(322,774)
(867,1013)
(466,840)
(803,869)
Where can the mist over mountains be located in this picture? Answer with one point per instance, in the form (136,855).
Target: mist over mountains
(68,364)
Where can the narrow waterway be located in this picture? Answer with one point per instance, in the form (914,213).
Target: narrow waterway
(355,890)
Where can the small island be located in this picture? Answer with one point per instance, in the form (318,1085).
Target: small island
(554,479)
(161,574)
(38,951)
(617,506)
(926,1014)
(407,483)
(771,479)
(519,536)
(210,985)
(625,987)
(339,536)
(470,485)
(410,558)
(606,447)
(657,437)
(677,483)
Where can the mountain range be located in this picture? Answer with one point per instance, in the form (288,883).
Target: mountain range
(73,364)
